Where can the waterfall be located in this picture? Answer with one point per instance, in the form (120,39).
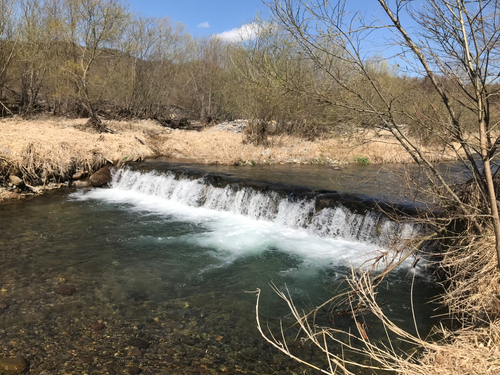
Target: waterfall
(335,220)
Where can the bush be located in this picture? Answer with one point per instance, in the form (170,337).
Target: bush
(361,160)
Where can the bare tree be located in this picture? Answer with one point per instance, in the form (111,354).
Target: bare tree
(9,43)
(454,47)
(159,50)
(90,30)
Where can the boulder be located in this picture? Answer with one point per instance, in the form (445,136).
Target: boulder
(79,175)
(81,183)
(14,365)
(101,177)
(16,180)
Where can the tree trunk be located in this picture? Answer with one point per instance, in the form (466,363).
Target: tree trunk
(490,188)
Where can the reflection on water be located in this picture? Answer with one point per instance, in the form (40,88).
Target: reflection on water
(95,283)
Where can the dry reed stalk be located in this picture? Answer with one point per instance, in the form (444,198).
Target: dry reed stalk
(466,351)
(54,148)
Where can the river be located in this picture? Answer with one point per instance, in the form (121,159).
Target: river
(152,274)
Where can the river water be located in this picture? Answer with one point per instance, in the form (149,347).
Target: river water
(152,274)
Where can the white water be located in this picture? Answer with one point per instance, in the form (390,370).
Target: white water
(239,222)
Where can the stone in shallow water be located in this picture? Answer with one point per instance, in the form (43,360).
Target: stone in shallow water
(134,370)
(79,175)
(97,326)
(81,183)
(135,352)
(138,343)
(14,365)
(65,290)
(86,359)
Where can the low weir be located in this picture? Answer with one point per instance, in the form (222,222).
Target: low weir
(321,213)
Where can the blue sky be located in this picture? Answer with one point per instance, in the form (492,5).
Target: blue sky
(208,17)
(203,17)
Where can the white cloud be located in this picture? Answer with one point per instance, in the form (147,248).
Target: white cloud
(204,25)
(248,31)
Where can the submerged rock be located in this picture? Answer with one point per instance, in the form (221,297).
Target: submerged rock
(65,291)
(97,326)
(101,177)
(14,365)
(134,370)
(86,359)
(138,343)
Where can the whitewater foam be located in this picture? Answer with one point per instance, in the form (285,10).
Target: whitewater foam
(237,222)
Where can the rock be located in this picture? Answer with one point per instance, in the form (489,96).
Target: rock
(16,180)
(14,365)
(65,291)
(138,343)
(79,175)
(82,183)
(97,326)
(87,360)
(101,177)
(134,370)
(134,352)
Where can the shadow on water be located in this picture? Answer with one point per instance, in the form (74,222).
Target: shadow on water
(94,285)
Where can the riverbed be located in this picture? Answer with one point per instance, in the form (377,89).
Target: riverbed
(131,279)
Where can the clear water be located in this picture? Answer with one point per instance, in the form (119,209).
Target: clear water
(174,274)
(395,183)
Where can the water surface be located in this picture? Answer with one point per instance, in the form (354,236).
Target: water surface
(172,275)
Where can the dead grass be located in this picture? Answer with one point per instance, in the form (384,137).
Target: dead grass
(8,195)
(225,147)
(55,148)
(467,352)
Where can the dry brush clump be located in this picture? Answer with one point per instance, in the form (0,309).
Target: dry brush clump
(53,149)
(471,350)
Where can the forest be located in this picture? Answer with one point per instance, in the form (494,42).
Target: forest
(98,59)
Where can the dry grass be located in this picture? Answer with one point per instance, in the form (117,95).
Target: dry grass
(55,147)
(225,147)
(473,289)
(467,352)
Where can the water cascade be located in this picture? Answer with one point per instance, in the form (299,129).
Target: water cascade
(322,214)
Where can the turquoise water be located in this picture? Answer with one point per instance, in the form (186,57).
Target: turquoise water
(174,275)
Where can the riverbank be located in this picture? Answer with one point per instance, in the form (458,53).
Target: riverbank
(48,151)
